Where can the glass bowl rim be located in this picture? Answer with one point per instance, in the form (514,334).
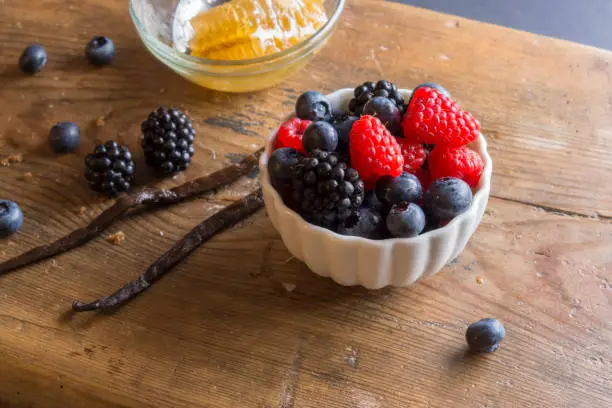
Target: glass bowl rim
(182,58)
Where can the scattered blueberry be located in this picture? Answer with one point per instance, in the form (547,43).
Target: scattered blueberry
(320,136)
(312,105)
(11,218)
(100,51)
(447,197)
(343,124)
(64,137)
(385,110)
(280,165)
(33,59)
(485,335)
(404,188)
(365,223)
(405,220)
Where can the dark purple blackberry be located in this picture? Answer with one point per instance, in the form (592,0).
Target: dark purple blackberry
(326,190)
(167,140)
(110,169)
(368,90)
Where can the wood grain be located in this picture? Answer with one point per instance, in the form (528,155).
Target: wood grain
(223,330)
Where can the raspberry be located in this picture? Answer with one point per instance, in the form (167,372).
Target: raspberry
(290,134)
(458,162)
(374,151)
(434,118)
(414,155)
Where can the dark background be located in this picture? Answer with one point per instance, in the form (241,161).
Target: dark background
(584,21)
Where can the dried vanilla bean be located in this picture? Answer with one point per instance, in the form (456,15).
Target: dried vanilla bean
(207,229)
(147,198)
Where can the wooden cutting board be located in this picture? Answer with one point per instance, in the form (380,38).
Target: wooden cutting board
(242,324)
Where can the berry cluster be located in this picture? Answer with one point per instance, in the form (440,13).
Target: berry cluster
(381,169)
(167,134)
(167,142)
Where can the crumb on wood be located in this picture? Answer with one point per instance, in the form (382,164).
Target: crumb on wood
(82,210)
(213,153)
(27,176)
(162,90)
(289,287)
(11,159)
(100,121)
(117,238)
(479,280)
(352,356)
(161,233)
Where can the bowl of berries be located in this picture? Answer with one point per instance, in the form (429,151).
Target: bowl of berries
(376,186)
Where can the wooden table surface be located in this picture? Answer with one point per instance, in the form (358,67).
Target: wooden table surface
(222,330)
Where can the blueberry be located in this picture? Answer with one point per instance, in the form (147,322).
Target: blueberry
(320,136)
(11,218)
(405,220)
(64,137)
(485,335)
(447,197)
(100,51)
(313,106)
(343,125)
(33,59)
(404,188)
(433,85)
(385,110)
(372,202)
(281,163)
(365,223)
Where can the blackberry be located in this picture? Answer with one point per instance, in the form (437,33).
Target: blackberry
(368,90)
(110,169)
(167,140)
(326,189)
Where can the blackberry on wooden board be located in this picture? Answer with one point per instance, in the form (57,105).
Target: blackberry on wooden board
(110,169)
(167,140)
(326,189)
(368,90)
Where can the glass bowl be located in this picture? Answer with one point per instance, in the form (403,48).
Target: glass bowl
(155,21)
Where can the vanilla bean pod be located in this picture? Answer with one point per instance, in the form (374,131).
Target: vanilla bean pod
(207,229)
(147,198)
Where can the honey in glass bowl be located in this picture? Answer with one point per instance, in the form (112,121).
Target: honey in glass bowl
(245,29)
(235,45)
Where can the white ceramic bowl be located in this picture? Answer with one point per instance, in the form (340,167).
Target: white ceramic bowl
(374,264)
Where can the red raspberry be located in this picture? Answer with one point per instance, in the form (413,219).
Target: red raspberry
(434,118)
(290,134)
(424,177)
(414,155)
(459,162)
(374,151)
